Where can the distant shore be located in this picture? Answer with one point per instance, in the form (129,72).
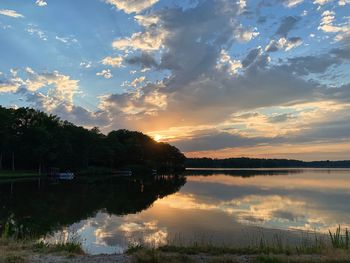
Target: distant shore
(244,162)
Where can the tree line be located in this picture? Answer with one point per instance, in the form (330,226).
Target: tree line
(33,140)
(262,163)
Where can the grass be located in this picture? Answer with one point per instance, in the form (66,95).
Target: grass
(330,249)
(157,256)
(334,249)
(67,247)
(306,245)
(340,240)
(17,174)
(18,251)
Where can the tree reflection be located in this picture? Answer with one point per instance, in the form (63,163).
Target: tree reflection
(37,207)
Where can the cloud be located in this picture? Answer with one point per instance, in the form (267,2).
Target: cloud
(283,43)
(322,2)
(86,64)
(147,41)
(251,56)
(40,3)
(66,40)
(64,86)
(343,2)
(113,61)
(145,60)
(215,141)
(66,110)
(8,87)
(33,30)
(135,104)
(287,24)
(106,73)
(10,13)
(245,35)
(58,99)
(132,6)
(317,64)
(11,84)
(292,3)
(204,84)
(228,64)
(327,25)
(136,82)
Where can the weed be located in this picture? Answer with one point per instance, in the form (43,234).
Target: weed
(340,240)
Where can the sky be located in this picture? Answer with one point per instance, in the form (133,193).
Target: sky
(216,78)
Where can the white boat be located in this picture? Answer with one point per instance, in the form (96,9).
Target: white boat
(65,176)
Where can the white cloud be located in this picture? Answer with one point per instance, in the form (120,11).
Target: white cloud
(66,40)
(283,43)
(113,61)
(146,20)
(61,87)
(246,35)
(147,41)
(242,5)
(106,73)
(227,63)
(323,2)
(8,87)
(64,86)
(10,13)
(87,64)
(136,82)
(33,30)
(327,25)
(343,2)
(132,6)
(40,3)
(292,3)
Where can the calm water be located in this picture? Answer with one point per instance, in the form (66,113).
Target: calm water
(220,206)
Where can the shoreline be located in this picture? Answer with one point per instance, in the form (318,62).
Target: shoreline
(335,249)
(70,253)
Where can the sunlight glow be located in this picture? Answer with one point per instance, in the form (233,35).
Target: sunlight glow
(157,137)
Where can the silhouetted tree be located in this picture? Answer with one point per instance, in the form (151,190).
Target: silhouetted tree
(32,139)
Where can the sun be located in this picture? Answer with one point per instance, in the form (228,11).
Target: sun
(157,137)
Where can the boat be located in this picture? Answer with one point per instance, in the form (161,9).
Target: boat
(54,173)
(65,176)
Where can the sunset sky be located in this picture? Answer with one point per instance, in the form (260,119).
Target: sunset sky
(216,78)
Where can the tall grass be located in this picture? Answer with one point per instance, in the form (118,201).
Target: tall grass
(340,240)
(307,244)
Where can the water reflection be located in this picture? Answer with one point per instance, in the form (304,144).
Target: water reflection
(232,207)
(313,199)
(38,207)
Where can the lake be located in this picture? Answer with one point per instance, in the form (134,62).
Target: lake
(231,206)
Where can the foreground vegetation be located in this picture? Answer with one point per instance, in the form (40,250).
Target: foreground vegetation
(16,251)
(35,141)
(318,248)
(333,250)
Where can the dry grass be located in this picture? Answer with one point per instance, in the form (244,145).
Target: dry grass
(18,251)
